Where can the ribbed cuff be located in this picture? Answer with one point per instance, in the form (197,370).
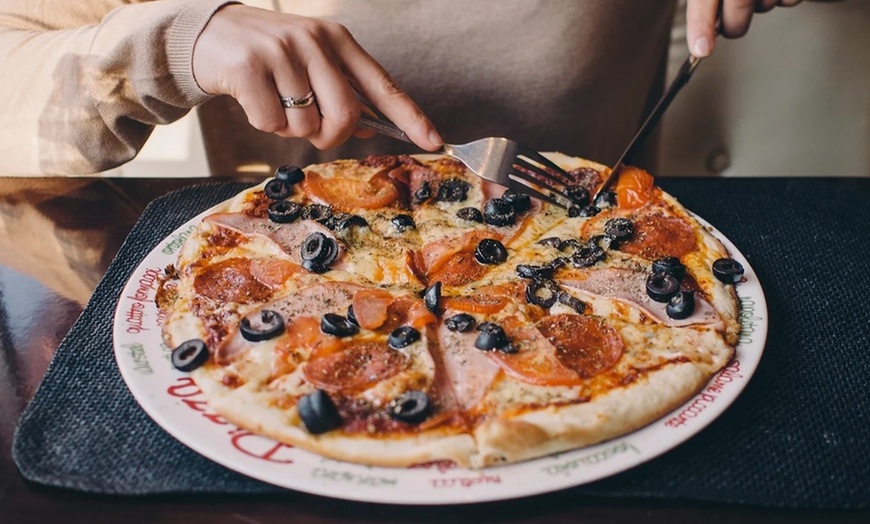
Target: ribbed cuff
(181,39)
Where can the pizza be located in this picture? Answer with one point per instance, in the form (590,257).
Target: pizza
(399,310)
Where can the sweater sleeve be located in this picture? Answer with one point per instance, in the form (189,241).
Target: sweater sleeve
(84,83)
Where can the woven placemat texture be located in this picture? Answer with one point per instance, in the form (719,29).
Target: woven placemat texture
(797,436)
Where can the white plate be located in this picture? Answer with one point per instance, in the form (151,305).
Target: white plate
(175,403)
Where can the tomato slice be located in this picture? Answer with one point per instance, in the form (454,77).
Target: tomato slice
(370,307)
(349,195)
(634,188)
(273,271)
(460,269)
(487,300)
(303,333)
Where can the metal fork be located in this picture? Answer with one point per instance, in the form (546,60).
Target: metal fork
(500,160)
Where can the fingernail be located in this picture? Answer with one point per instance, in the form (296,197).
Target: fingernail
(435,138)
(702,47)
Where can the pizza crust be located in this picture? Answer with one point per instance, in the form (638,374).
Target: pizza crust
(555,429)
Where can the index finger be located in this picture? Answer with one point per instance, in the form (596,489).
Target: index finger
(375,84)
(701,18)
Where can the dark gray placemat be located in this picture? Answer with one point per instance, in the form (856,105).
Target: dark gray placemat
(796,437)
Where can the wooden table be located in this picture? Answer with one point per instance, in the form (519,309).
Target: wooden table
(57,237)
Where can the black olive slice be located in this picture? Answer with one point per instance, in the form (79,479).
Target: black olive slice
(338,326)
(261,325)
(571,243)
(403,222)
(431,297)
(554,242)
(605,200)
(661,286)
(584,212)
(314,267)
(578,195)
(499,212)
(453,190)
(472,214)
(619,228)
(533,271)
(728,270)
(319,249)
(542,292)
(588,256)
(403,336)
(463,323)
(671,266)
(317,212)
(490,251)
(602,241)
(412,407)
(521,201)
(558,262)
(351,316)
(318,412)
(284,211)
(290,174)
(681,305)
(277,189)
(189,355)
(491,336)
(572,302)
(342,221)
(423,193)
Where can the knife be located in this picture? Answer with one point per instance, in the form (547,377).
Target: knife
(680,81)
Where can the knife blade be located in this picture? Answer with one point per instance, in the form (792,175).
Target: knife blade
(680,80)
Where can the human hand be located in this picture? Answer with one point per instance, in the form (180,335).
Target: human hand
(702,17)
(257,56)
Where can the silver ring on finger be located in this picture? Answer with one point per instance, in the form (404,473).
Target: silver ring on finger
(290,102)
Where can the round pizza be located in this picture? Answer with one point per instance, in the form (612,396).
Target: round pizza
(399,310)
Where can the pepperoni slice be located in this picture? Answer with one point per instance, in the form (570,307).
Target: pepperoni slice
(584,344)
(356,367)
(349,195)
(634,188)
(231,280)
(536,361)
(370,307)
(657,236)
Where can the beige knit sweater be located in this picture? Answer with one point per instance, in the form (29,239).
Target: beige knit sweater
(85,82)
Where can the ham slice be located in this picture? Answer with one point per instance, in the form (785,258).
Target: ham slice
(629,286)
(469,371)
(288,237)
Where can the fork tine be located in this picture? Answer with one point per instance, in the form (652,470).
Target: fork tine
(532,192)
(525,177)
(541,159)
(531,172)
(536,170)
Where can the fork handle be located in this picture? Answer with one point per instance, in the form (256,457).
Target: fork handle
(383,127)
